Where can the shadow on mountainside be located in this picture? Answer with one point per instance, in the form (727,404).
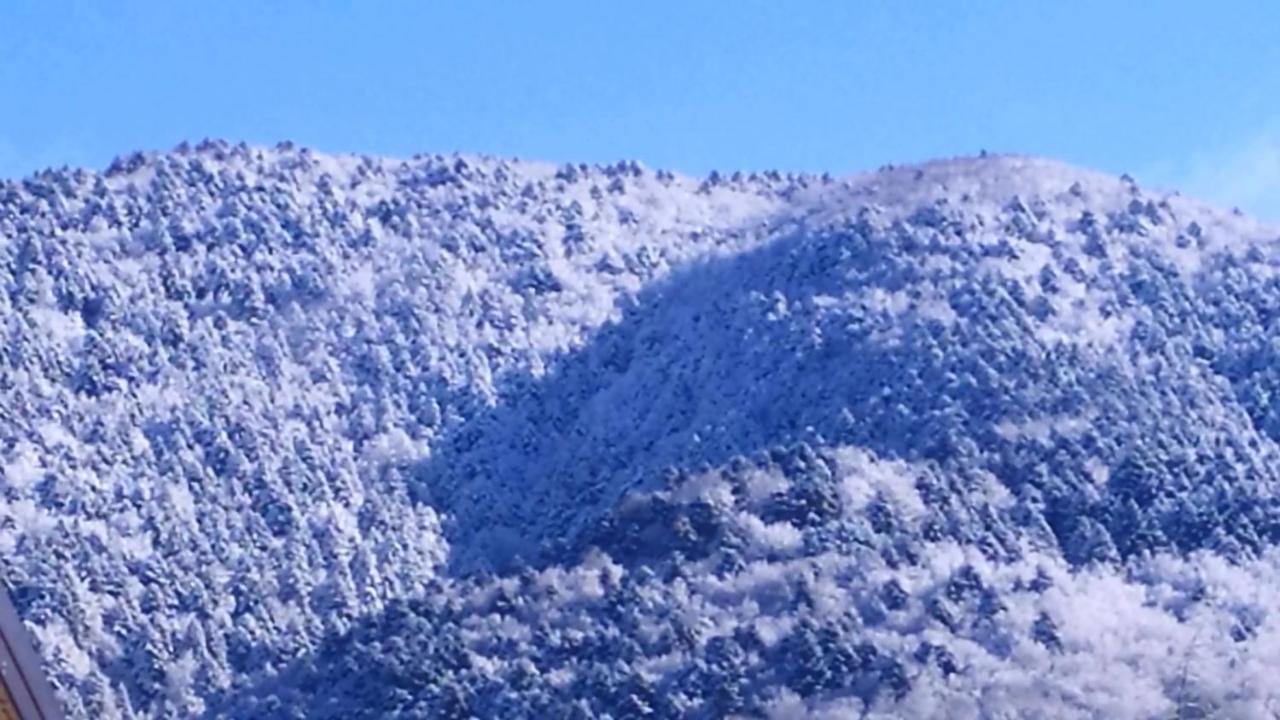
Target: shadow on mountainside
(855,336)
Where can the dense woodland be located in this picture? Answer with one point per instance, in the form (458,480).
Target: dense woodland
(292,435)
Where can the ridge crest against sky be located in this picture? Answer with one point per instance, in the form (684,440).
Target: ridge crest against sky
(282,428)
(1183,97)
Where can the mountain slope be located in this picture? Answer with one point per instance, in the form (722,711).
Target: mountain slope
(291,433)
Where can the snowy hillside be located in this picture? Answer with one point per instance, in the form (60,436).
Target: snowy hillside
(285,434)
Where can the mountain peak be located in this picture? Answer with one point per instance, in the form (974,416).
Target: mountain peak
(280,428)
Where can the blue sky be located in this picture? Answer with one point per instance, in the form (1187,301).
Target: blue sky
(1185,96)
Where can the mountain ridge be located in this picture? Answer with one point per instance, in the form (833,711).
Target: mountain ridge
(272,420)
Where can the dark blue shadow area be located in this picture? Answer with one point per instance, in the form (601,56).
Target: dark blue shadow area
(790,343)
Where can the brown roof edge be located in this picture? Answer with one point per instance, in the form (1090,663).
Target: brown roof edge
(21,669)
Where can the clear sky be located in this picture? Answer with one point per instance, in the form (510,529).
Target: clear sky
(1180,94)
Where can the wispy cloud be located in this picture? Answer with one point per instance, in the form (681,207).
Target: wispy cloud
(1245,174)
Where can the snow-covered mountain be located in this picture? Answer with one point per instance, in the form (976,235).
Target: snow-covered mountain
(285,434)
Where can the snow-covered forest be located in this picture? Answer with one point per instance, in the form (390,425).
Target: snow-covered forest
(291,435)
